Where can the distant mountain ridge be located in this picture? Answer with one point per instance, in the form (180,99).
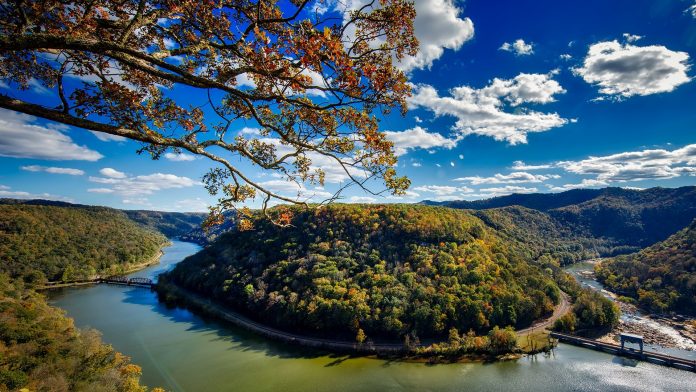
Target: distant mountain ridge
(661,277)
(171,224)
(625,219)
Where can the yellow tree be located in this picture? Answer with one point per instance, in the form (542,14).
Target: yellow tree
(114,64)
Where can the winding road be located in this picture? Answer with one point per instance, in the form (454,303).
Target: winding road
(561,309)
(239,320)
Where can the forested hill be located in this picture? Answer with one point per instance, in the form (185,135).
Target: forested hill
(661,277)
(171,224)
(621,220)
(68,242)
(387,270)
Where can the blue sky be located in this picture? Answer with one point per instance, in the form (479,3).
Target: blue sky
(510,96)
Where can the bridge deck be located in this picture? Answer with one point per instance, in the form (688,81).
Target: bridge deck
(649,356)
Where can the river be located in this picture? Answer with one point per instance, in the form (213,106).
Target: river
(181,351)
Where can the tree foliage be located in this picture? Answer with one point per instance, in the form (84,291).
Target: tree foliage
(41,350)
(582,223)
(389,270)
(39,242)
(316,81)
(661,277)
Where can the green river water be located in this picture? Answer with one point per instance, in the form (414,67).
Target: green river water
(181,351)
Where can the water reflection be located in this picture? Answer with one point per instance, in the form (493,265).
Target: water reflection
(184,352)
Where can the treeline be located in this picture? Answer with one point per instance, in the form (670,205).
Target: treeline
(605,222)
(387,271)
(41,350)
(591,311)
(64,243)
(660,278)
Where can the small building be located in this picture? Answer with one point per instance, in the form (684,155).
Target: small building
(631,338)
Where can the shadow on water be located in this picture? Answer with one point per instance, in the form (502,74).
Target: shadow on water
(627,362)
(237,338)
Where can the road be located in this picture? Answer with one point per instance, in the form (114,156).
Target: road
(561,309)
(237,319)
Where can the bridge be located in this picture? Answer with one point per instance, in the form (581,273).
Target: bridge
(622,351)
(116,280)
(125,281)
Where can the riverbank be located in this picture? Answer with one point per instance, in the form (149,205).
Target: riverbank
(679,333)
(430,352)
(128,269)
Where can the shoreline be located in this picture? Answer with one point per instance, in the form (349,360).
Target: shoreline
(668,334)
(183,297)
(153,260)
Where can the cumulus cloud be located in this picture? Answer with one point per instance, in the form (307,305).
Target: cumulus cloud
(565,56)
(100,190)
(22,137)
(486,111)
(585,183)
(636,165)
(112,173)
(105,137)
(521,166)
(518,47)
(135,187)
(506,190)
(179,157)
(54,170)
(418,137)
(7,192)
(443,190)
(512,178)
(438,26)
(362,199)
(691,10)
(632,37)
(625,70)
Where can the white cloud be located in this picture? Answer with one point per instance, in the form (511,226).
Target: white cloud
(250,131)
(565,56)
(521,166)
(416,164)
(691,10)
(112,173)
(6,192)
(483,111)
(519,47)
(106,137)
(138,201)
(438,26)
(362,199)
(585,183)
(443,190)
(512,178)
(191,205)
(461,156)
(38,88)
(100,190)
(54,170)
(506,190)
(418,137)
(135,187)
(22,137)
(624,70)
(180,157)
(636,165)
(632,37)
